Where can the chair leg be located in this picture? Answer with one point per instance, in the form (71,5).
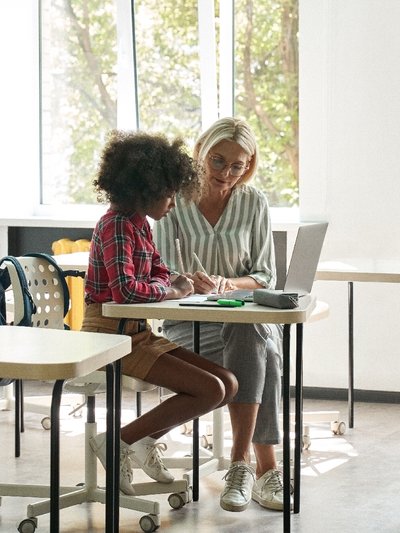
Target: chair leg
(138,404)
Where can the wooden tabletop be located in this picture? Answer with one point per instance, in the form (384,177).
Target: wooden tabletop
(250,313)
(39,353)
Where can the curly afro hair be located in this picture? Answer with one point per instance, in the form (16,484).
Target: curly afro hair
(137,169)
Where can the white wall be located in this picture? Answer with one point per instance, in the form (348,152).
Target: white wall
(350,166)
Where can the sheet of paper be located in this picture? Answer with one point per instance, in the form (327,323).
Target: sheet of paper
(193,298)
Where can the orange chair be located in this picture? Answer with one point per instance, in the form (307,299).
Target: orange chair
(74,316)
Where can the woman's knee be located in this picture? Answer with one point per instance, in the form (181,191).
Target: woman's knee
(231,386)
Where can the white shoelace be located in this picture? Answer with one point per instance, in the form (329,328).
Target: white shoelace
(274,482)
(126,465)
(154,456)
(237,475)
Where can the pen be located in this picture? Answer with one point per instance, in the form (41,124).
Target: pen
(199,265)
(179,253)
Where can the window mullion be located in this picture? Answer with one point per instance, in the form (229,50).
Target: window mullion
(208,63)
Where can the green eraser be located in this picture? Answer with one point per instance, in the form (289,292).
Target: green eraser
(230,303)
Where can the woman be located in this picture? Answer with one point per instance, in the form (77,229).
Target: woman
(228,227)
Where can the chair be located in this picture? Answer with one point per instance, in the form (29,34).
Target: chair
(22,317)
(50,294)
(18,308)
(75,284)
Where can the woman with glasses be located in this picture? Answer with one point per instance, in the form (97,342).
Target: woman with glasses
(227,227)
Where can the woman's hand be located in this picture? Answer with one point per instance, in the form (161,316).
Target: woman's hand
(223,284)
(181,286)
(203,284)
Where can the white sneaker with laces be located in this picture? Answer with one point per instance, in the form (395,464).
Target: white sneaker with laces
(239,481)
(98,445)
(268,490)
(146,453)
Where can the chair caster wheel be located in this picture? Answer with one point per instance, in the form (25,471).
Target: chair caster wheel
(147,524)
(306,442)
(28,525)
(46,422)
(176,500)
(338,428)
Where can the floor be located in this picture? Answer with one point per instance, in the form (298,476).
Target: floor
(349,482)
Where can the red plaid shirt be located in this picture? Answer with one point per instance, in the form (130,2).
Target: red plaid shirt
(124,264)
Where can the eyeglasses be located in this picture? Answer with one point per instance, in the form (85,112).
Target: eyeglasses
(218,163)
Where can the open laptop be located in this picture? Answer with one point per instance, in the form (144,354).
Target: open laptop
(302,268)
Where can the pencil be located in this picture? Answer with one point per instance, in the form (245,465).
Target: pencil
(179,253)
(199,265)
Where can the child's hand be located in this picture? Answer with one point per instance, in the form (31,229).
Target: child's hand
(181,286)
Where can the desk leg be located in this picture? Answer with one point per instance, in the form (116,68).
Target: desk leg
(113,372)
(351,354)
(286,428)
(55,457)
(196,451)
(298,445)
(18,428)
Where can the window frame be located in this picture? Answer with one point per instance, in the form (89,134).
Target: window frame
(127,114)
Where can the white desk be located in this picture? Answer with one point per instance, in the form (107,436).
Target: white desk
(356,270)
(250,313)
(73,261)
(46,354)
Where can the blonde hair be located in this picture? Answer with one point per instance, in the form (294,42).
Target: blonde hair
(229,129)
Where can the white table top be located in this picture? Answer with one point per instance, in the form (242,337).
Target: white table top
(380,271)
(250,313)
(74,261)
(39,353)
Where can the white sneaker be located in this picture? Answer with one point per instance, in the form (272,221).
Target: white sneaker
(268,490)
(146,453)
(98,445)
(236,495)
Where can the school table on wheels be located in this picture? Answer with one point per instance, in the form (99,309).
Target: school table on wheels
(253,314)
(49,354)
(351,271)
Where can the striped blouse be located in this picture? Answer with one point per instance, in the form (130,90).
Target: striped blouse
(240,243)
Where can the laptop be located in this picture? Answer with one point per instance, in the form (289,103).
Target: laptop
(302,268)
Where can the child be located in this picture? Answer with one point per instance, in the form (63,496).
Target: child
(139,174)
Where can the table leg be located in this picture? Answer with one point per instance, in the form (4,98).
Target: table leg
(298,445)
(286,428)
(351,354)
(117,438)
(18,428)
(196,451)
(113,372)
(55,457)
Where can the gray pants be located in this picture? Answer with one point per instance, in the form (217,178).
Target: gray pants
(252,353)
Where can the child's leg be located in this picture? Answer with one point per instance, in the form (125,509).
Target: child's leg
(200,387)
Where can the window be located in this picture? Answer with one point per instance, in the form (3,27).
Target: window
(78,94)
(266,90)
(172,67)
